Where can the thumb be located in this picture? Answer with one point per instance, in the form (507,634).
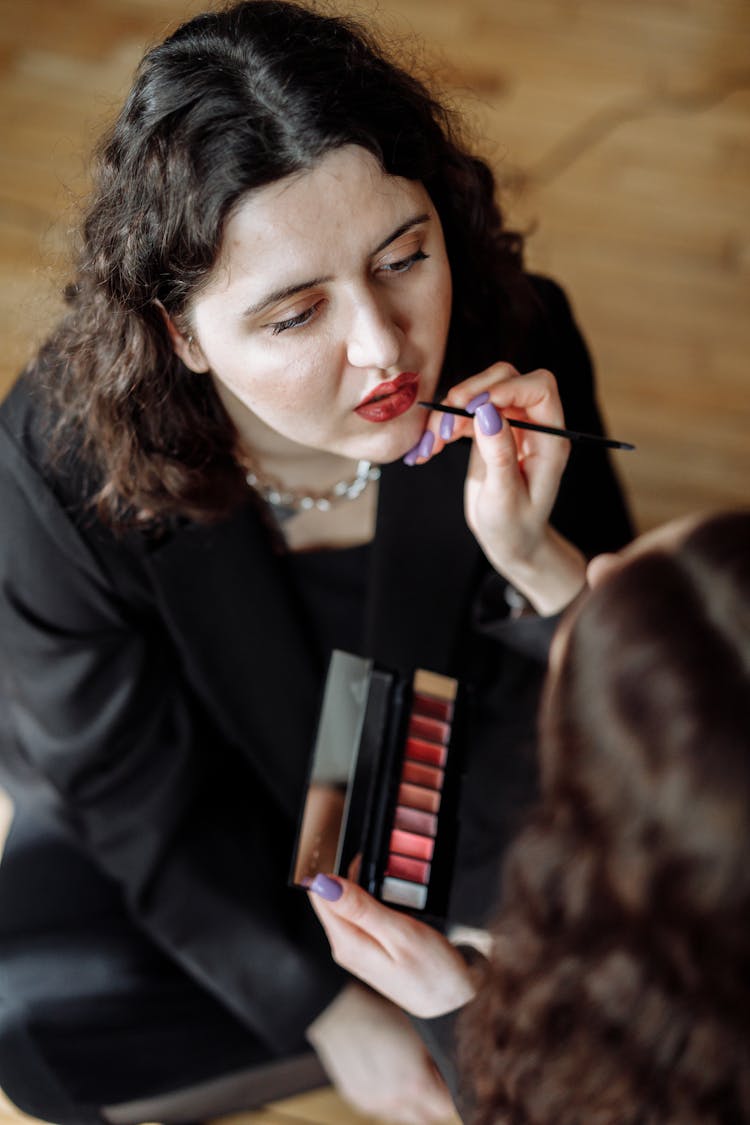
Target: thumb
(495,444)
(327,887)
(339,903)
(349,902)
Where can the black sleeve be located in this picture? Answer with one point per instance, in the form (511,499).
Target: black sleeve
(99,709)
(591,509)
(439,1036)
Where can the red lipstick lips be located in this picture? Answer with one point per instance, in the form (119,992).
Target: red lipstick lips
(390,399)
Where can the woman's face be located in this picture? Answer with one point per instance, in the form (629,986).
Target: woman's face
(330,284)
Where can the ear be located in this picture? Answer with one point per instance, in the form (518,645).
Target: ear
(184,347)
(600,567)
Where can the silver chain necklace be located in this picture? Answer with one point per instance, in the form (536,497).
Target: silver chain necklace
(285,503)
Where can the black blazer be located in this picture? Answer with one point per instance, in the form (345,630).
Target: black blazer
(165,694)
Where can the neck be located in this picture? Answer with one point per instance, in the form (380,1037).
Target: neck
(309,470)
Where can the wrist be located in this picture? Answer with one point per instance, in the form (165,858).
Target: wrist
(552,576)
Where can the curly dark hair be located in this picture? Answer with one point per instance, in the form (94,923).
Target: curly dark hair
(619,985)
(234,100)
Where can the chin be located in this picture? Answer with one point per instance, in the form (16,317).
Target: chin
(395,440)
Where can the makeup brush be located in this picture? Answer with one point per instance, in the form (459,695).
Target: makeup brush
(573,435)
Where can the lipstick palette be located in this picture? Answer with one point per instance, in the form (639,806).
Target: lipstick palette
(382,799)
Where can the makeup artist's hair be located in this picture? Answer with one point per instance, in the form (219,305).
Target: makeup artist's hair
(232,101)
(619,986)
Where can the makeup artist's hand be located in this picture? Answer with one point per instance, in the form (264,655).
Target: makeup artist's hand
(377,1061)
(513,480)
(400,957)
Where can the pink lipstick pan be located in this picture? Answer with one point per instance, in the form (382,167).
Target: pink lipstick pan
(381,804)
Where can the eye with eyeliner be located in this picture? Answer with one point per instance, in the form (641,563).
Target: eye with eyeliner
(295,321)
(403,265)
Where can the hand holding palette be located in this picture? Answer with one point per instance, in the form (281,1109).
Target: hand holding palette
(382,799)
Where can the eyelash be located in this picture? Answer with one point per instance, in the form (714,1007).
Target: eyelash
(406,263)
(295,321)
(298,321)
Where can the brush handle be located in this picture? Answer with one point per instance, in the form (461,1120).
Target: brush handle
(572,435)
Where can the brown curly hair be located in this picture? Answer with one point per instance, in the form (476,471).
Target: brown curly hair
(618,991)
(234,100)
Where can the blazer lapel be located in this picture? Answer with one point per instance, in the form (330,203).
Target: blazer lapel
(425,560)
(223,593)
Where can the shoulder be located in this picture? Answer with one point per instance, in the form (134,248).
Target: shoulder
(24,438)
(31,448)
(36,504)
(21,412)
(550,307)
(553,339)
(45,497)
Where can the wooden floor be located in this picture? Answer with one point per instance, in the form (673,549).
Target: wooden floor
(621,129)
(322,1107)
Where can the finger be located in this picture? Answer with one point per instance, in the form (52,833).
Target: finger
(357,942)
(352,948)
(440,430)
(323,893)
(391,929)
(443,428)
(423,449)
(461,394)
(533,396)
(510,475)
(468,395)
(497,449)
(389,950)
(327,899)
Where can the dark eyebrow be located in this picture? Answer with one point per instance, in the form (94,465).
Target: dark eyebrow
(292,290)
(401,230)
(282,294)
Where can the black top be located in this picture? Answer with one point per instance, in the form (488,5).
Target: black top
(332,589)
(165,693)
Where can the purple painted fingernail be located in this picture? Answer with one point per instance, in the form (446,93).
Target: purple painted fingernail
(489,419)
(446,426)
(410,458)
(424,449)
(329,889)
(478,401)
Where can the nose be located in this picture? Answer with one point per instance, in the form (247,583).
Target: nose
(375,337)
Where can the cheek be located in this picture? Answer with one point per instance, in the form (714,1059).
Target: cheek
(441,302)
(291,384)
